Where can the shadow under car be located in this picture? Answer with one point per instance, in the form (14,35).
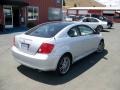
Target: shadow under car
(77,69)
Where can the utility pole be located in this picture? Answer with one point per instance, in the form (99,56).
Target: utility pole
(62,9)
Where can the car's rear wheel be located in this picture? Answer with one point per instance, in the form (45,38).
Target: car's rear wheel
(101,46)
(64,65)
(99,28)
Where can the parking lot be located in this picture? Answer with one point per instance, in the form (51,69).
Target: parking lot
(95,72)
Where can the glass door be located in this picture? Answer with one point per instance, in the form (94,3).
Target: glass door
(8,16)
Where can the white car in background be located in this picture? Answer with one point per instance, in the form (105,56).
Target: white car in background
(55,46)
(94,23)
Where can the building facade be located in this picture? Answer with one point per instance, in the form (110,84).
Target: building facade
(14,13)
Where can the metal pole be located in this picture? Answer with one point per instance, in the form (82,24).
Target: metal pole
(62,9)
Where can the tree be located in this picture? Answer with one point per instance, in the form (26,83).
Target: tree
(75,5)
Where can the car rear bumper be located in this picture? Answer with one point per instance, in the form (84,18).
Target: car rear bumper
(38,61)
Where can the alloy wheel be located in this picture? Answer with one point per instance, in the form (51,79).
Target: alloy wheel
(99,28)
(64,65)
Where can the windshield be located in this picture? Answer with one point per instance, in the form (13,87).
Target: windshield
(47,30)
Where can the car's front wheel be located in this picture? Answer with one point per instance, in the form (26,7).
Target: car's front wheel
(64,65)
(101,46)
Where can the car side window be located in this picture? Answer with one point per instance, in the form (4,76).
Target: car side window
(93,20)
(74,32)
(85,30)
(86,20)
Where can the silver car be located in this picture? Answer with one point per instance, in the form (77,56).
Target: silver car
(56,46)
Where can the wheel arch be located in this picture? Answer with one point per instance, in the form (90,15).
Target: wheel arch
(68,54)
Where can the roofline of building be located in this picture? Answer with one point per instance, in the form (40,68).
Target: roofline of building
(95,8)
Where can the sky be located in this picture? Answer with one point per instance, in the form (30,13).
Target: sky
(113,3)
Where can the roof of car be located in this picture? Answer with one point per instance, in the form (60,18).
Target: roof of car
(64,22)
(58,22)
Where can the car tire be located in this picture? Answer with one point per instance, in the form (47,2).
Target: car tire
(109,26)
(64,65)
(99,28)
(101,46)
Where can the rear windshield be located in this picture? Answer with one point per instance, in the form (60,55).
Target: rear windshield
(47,30)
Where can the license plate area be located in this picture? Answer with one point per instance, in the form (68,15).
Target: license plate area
(25,46)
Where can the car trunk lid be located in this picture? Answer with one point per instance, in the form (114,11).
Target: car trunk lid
(29,44)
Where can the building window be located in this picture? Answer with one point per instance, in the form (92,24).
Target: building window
(33,13)
(72,12)
(54,14)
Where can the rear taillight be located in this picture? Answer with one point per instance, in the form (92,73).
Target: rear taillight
(46,48)
(14,41)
